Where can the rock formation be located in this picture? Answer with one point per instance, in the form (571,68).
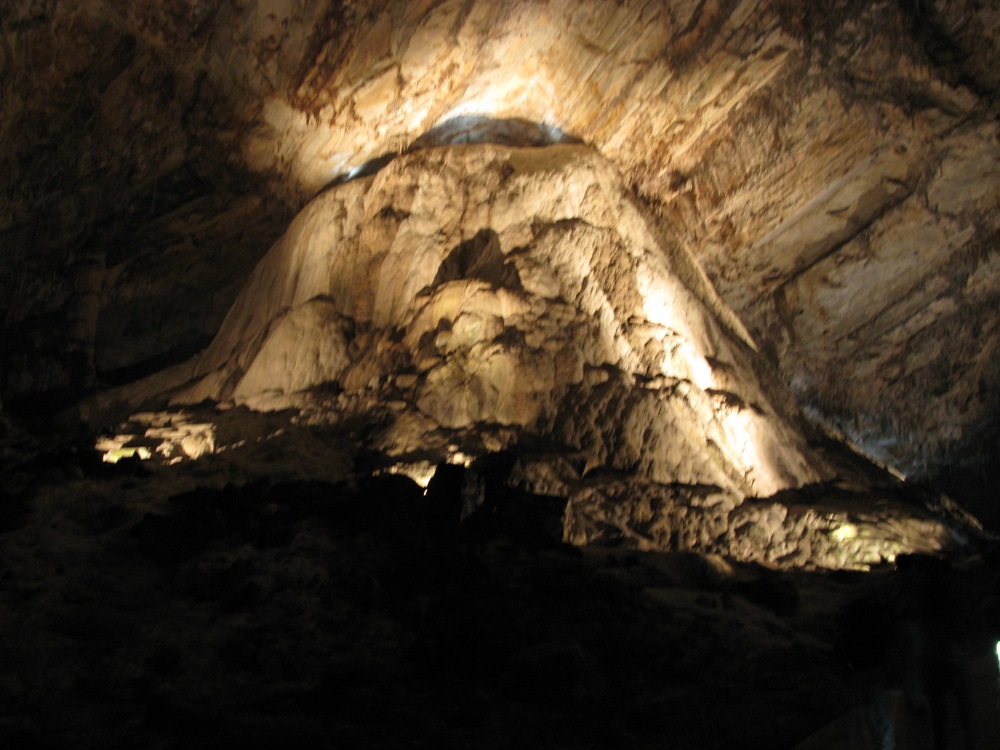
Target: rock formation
(484,286)
(832,166)
(466,299)
(489,373)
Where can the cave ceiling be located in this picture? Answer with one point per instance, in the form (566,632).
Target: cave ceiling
(833,166)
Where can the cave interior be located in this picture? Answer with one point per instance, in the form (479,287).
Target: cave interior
(460,373)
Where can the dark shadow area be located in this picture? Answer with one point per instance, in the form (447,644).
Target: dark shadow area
(257,598)
(973,479)
(365,613)
(131,373)
(479,258)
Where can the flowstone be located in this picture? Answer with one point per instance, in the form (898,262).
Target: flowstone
(474,298)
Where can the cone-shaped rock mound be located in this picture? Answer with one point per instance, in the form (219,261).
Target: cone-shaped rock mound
(469,299)
(487,287)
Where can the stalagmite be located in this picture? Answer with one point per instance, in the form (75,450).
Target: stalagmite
(469,298)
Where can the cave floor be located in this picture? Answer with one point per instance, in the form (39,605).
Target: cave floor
(262,598)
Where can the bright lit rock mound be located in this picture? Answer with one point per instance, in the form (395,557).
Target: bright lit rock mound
(470,299)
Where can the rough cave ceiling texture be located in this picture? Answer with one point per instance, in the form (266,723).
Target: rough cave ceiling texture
(834,167)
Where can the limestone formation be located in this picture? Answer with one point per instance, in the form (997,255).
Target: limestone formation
(467,299)
(486,285)
(496,373)
(832,166)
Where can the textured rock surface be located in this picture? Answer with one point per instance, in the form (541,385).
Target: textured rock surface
(839,531)
(562,316)
(465,300)
(832,165)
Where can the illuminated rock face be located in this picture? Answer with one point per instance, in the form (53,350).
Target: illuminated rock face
(494,291)
(832,166)
(468,299)
(843,533)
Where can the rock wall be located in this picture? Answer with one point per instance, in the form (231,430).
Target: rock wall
(832,166)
